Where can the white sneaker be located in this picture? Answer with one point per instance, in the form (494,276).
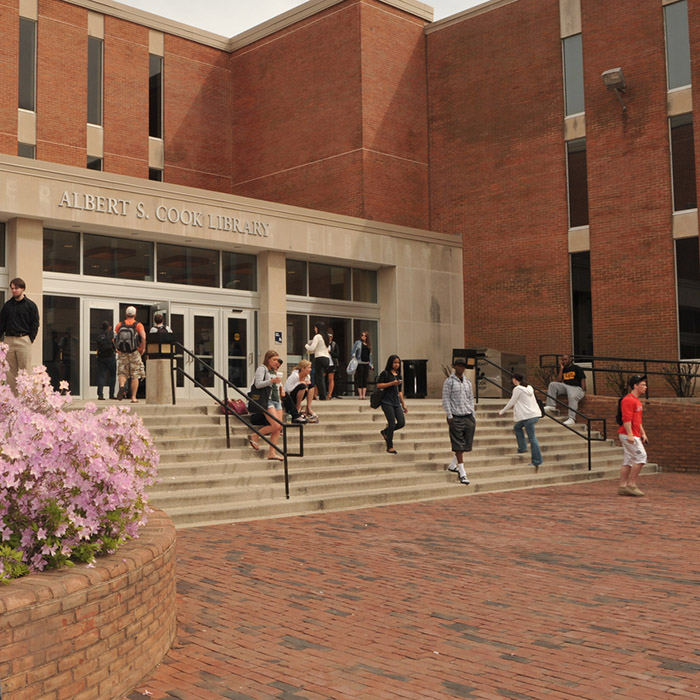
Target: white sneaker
(569,421)
(550,409)
(452,466)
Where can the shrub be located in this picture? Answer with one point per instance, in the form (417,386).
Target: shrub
(681,377)
(72,482)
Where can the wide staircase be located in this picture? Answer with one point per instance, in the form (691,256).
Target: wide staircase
(345,464)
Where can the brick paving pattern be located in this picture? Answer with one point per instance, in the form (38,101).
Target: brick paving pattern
(566,592)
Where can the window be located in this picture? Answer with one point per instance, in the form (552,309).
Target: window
(364,286)
(296,278)
(239,271)
(577,182)
(582,303)
(688,281)
(683,162)
(155,97)
(60,329)
(573,74)
(27,64)
(94,82)
(117,257)
(61,251)
(183,265)
(155,174)
(26,150)
(677,44)
(94,163)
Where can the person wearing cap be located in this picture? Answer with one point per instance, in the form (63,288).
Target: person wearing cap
(458,403)
(632,437)
(19,323)
(129,363)
(571,380)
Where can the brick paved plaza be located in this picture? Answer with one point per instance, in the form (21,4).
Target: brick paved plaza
(567,592)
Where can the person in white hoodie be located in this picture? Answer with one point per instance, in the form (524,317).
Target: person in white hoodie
(526,412)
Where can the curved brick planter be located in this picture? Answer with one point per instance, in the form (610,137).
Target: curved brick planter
(91,634)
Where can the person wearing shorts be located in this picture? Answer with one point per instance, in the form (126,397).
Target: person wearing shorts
(458,403)
(130,364)
(632,437)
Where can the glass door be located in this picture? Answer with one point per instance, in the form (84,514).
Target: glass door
(95,313)
(197,329)
(240,348)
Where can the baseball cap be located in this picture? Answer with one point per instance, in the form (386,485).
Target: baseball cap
(131,311)
(635,379)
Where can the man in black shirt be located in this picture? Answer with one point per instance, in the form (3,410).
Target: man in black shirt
(19,323)
(571,380)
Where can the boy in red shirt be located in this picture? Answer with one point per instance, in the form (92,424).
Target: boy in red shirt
(632,437)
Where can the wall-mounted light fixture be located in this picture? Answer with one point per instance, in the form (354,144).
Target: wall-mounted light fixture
(614,80)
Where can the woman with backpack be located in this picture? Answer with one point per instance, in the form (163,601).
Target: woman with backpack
(526,412)
(268,382)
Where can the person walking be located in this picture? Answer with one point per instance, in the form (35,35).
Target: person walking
(526,413)
(106,361)
(266,377)
(318,347)
(131,344)
(632,437)
(19,323)
(362,352)
(393,403)
(458,404)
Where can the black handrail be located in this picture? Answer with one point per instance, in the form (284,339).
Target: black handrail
(640,361)
(223,403)
(587,436)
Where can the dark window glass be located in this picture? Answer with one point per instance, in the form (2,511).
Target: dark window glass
(329,281)
(94,82)
(155,97)
(2,245)
(61,251)
(582,303)
(240,271)
(677,44)
(683,163)
(26,150)
(238,339)
(577,182)
(688,280)
(296,278)
(364,286)
(297,337)
(94,163)
(117,257)
(27,64)
(60,331)
(182,265)
(573,74)
(155,174)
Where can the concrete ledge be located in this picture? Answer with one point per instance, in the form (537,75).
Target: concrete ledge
(91,634)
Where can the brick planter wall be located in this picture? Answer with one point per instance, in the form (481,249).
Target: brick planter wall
(91,634)
(671,426)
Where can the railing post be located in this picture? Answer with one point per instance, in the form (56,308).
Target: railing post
(228,431)
(588,441)
(284,455)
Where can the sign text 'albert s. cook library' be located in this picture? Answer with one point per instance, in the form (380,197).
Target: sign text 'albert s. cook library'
(115,206)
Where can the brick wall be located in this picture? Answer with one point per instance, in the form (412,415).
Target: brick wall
(498,173)
(9,46)
(671,426)
(91,634)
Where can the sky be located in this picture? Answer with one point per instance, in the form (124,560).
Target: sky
(231,17)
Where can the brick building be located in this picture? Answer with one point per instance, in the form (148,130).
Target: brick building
(468,180)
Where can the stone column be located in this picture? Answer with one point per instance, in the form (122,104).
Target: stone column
(25,259)
(272,279)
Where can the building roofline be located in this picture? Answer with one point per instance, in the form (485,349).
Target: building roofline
(467,14)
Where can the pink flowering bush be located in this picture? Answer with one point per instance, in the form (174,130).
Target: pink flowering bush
(72,482)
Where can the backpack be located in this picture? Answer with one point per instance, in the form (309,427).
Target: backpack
(105,346)
(127,338)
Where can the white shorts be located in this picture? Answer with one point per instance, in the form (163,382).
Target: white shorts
(634,453)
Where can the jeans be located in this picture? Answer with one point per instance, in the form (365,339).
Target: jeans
(106,374)
(320,365)
(529,426)
(395,420)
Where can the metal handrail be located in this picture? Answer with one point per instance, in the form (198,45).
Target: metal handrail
(643,361)
(588,434)
(223,403)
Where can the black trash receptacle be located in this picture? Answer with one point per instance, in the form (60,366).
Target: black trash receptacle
(415,379)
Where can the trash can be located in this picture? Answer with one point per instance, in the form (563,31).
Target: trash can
(415,379)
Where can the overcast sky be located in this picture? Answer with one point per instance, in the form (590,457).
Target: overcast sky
(231,17)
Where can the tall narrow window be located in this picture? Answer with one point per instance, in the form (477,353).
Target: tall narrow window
(683,162)
(677,44)
(155,97)
(688,280)
(27,64)
(573,74)
(94,84)
(577,182)
(582,304)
